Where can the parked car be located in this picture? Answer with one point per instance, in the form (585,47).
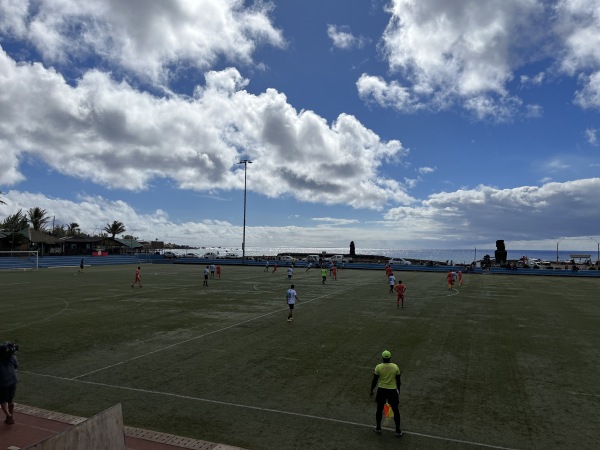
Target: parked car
(313,258)
(210,255)
(338,259)
(191,255)
(286,258)
(169,255)
(399,262)
(232,256)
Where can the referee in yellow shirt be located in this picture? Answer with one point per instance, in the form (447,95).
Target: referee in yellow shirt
(387,380)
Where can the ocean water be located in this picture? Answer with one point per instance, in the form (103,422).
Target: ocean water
(456,255)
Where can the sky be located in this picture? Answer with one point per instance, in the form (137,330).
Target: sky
(393,124)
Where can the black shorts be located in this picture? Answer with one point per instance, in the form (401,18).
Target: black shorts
(291,305)
(7,394)
(387,395)
(206,276)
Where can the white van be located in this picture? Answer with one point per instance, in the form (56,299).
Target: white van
(339,259)
(286,258)
(211,255)
(313,258)
(399,261)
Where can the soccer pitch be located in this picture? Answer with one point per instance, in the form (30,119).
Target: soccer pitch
(500,362)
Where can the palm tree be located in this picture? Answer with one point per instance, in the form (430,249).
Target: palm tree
(38,218)
(72,229)
(115,228)
(14,222)
(59,231)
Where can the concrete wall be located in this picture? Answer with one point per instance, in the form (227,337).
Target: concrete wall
(104,431)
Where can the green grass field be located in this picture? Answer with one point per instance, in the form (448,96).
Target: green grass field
(501,362)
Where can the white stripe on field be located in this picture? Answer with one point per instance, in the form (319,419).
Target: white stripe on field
(41,320)
(277,411)
(202,335)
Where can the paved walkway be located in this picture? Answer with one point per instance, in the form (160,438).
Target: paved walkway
(34,424)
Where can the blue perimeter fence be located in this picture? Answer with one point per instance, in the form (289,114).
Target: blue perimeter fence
(48,262)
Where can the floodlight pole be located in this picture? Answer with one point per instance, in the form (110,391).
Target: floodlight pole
(597,254)
(557,247)
(245,162)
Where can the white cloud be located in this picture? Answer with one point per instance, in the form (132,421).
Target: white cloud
(119,137)
(578,25)
(444,220)
(13,17)
(392,94)
(534,111)
(536,80)
(589,96)
(426,170)
(495,109)
(149,39)
(343,39)
(335,221)
(591,137)
(486,214)
(467,52)
(555,165)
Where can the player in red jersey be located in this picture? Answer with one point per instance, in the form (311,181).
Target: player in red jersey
(400,290)
(450,277)
(138,277)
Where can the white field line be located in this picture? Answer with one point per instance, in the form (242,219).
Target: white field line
(258,408)
(583,393)
(203,335)
(41,320)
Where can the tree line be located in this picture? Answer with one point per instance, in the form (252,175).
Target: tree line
(38,219)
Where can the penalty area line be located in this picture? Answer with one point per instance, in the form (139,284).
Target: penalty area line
(258,408)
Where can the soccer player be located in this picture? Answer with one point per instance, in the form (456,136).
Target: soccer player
(324,275)
(275,267)
(138,277)
(267,266)
(206,271)
(290,271)
(292,298)
(387,379)
(309,266)
(335,272)
(400,290)
(219,271)
(212,270)
(81,265)
(460,277)
(450,278)
(391,282)
(388,270)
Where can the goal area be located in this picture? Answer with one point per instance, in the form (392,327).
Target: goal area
(27,259)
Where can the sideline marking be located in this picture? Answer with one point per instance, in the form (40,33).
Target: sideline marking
(258,408)
(41,320)
(583,393)
(203,335)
